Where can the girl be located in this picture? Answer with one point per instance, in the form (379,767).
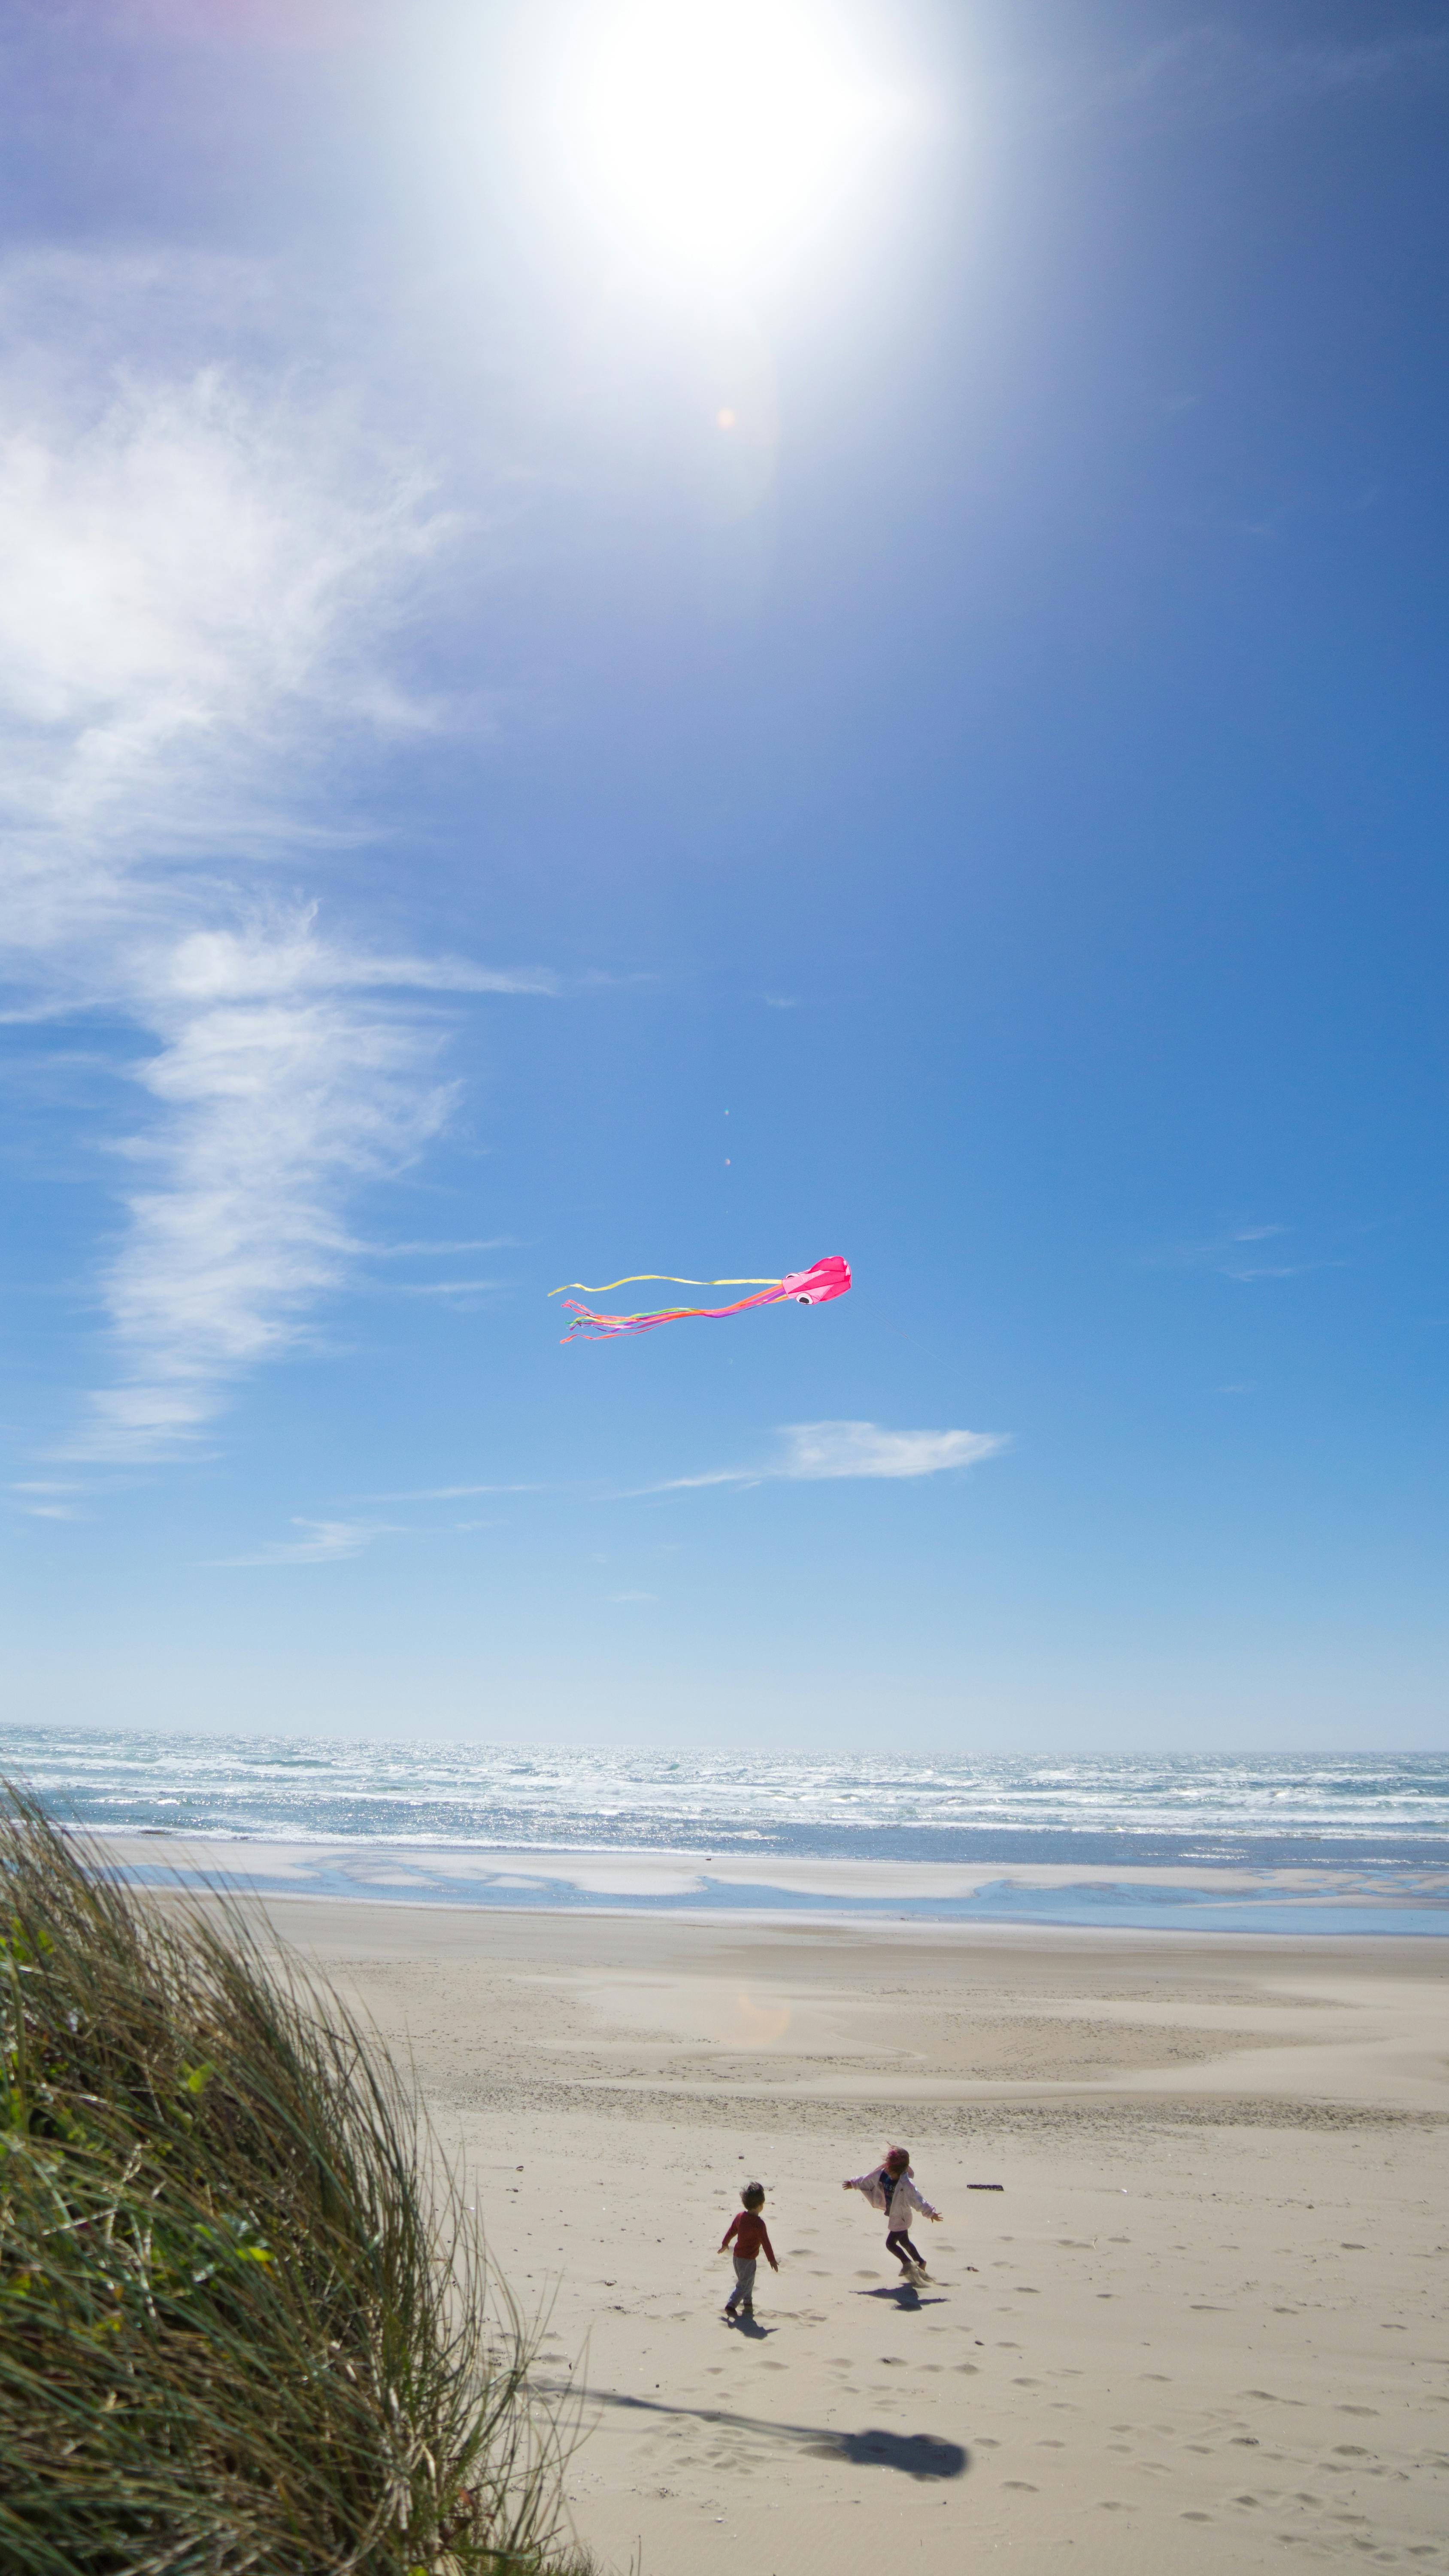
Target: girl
(889,2188)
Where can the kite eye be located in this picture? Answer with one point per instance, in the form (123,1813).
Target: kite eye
(802,1301)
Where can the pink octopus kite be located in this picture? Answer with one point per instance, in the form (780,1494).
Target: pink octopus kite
(813,1287)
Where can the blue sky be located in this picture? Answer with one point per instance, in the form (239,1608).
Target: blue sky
(540,745)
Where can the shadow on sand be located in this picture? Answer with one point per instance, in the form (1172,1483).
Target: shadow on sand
(916,2455)
(905,2296)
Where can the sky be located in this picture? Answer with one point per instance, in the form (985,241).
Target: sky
(647,636)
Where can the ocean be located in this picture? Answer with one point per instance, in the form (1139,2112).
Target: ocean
(1286,1842)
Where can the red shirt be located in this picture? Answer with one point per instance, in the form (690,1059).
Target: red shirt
(750,2233)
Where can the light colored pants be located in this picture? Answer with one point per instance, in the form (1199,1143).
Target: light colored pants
(743,2293)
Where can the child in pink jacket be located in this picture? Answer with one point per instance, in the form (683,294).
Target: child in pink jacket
(889,2188)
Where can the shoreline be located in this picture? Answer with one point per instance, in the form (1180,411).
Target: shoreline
(1319,1899)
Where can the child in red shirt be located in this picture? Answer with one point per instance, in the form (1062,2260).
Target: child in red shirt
(750,2234)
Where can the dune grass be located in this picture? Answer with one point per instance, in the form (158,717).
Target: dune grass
(243,2322)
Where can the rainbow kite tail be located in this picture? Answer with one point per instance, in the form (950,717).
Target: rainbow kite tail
(812,1287)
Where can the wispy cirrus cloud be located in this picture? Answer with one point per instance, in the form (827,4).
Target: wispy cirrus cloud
(321,1543)
(208,571)
(438,1251)
(816,1451)
(1242,1253)
(451,1493)
(48,1500)
(470,1289)
(1216,73)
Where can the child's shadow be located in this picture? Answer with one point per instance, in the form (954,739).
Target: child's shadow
(751,2329)
(905,2295)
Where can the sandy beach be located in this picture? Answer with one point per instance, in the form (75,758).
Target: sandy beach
(1200,2325)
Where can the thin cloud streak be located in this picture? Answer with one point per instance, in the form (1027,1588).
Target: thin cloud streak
(1223,1254)
(1219,75)
(438,1251)
(827,1451)
(453,1494)
(443,1287)
(325,1543)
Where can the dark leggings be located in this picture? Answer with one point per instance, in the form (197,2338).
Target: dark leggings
(899,2244)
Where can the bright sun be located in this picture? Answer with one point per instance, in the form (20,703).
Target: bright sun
(717,129)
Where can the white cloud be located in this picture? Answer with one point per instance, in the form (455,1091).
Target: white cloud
(430,1251)
(818,1450)
(323,1543)
(48,1500)
(282,956)
(864,1449)
(1224,1253)
(205,576)
(451,1494)
(270,1113)
(471,1288)
(1244,1271)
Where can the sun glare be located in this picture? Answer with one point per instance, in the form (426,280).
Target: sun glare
(715,130)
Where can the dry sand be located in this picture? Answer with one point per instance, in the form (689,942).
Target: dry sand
(1199,2328)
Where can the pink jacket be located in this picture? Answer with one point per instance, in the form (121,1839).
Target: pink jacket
(904,2197)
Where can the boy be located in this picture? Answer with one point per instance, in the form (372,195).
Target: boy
(750,2234)
(889,2188)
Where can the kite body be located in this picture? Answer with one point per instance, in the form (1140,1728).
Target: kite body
(813,1287)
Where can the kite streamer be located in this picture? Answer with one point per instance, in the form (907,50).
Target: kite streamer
(812,1287)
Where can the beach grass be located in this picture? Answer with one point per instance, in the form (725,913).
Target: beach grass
(245,2317)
